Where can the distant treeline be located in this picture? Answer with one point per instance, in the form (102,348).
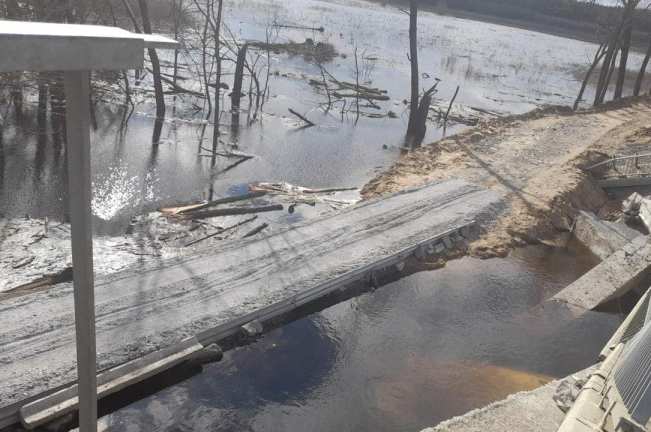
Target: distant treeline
(584,16)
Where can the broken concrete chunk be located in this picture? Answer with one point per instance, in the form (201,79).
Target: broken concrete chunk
(645,213)
(567,392)
(614,277)
(603,238)
(252,329)
(210,354)
(631,206)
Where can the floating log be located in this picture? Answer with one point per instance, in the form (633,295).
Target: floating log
(233,211)
(219,201)
(363,95)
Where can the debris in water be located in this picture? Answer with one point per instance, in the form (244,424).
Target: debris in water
(319,52)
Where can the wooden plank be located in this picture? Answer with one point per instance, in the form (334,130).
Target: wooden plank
(66,400)
(217,290)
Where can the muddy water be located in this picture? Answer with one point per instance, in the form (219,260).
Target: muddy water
(498,68)
(415,352)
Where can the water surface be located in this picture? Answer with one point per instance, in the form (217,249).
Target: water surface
(415,352)
(499,68)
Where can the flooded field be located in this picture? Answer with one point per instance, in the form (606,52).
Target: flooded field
(499,69)
(415,352)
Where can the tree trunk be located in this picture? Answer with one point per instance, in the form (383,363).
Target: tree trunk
(155,66)
(413,59)
(218,77)
(597,58)
(420,125)
(17,98)
(611,53)
(640,76)
(57,111)
(41,112)
(14,13)
(623,59)
(611,70)
(236,94)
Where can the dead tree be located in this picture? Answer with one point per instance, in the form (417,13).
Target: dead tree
(413,60)
(629,11)
(597,58)
(41,111)
(155,65)
(214,21)
(236,93)
(640,75)
(612,46)
(618,42)
(13,12)
(417,126)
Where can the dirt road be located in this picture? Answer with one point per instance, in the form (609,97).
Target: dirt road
(535,160)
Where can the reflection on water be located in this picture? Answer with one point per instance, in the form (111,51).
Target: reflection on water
(415,352)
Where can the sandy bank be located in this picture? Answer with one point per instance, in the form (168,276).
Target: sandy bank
(535,159)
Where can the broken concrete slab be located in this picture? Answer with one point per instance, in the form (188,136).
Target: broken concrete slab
(603,238)
(612,278)
(532,411)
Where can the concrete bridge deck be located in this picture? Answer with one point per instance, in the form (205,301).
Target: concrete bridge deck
(209,296)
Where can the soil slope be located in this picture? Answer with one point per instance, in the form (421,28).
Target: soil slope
(535,159)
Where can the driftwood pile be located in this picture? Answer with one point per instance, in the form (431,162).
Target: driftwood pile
(196,213)
(204,210)
(301,195)
(317,52)
(451,114)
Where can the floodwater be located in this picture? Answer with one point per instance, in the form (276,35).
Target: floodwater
(415,352)
(498,68)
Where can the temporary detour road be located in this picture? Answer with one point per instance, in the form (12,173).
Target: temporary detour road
(213,293)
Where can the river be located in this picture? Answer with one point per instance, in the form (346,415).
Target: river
(417,351)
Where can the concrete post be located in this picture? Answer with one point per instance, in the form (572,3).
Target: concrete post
(79,191)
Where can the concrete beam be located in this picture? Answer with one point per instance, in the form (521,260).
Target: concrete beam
(603,238)
(615,276)
(64,401)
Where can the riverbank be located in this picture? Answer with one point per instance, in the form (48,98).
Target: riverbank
(535,160)
(533,411)
(556,26)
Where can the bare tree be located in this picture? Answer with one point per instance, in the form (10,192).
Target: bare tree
(413,60)
(418,110)
(213,17)
(155,65)
(599,55)
(629,11)
(640,75)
